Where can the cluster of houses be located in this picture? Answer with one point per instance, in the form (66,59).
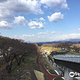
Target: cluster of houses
(75,47)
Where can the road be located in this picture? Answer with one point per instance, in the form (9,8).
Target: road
(49,76)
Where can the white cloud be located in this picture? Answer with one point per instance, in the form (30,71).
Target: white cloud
(28,35)
(55,17)
(5,15)
(42,33)
(31,38)
(68,36)
(47,33)
(19,6)
(53,32)
(35,38)
(20,20)
(55,3)
(77,29)
(42,19)
(34,24)
(46,7)
(25,37)
(5,25)
(8,8)
(62,37)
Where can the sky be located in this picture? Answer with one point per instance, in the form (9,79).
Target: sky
(40,20)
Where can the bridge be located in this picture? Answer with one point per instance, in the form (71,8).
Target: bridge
(69,58)
(69,61)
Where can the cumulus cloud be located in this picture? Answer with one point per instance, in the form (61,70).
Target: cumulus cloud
(5,25)
(19,6)
(46,7)
(5,15)
(42,33)
(42,19)
(53,32)
(34,24)
(10,7)
(20,20)
(56,17)
(47,33)
(77,29)
(55,3)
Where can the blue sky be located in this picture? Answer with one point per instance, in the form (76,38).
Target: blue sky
(40,20)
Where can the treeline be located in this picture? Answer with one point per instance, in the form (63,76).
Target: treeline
(14,51)
(60,45)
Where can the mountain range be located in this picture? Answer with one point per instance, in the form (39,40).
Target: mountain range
(75,41)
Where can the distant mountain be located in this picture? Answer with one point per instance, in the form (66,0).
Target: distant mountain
(74,40)
(62,41)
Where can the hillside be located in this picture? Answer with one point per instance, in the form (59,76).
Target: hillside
(18,59)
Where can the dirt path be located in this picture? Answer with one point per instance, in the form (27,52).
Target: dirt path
(49,76)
